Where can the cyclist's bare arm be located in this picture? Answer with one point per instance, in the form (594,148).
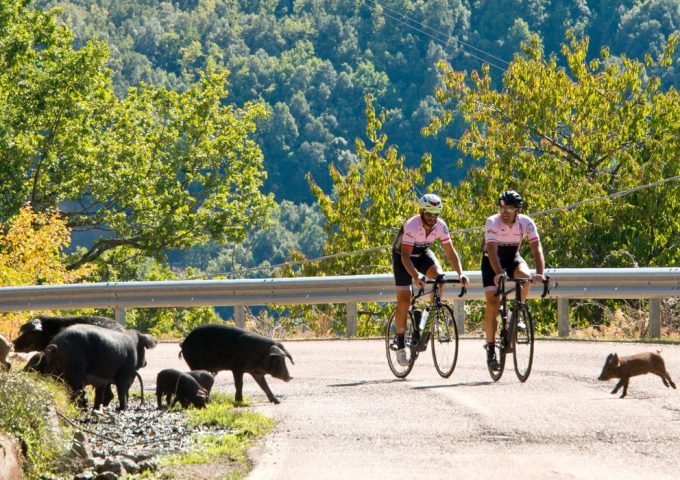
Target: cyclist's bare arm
(539,259)
(408,264)
(454,260)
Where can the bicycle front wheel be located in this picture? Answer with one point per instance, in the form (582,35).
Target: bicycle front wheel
(399,371)
(523,354)
(444,339)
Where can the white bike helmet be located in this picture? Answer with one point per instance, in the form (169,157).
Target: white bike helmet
(431,203)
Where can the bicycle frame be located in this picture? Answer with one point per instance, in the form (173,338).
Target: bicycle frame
(519,283)
(521,323)
(439,330)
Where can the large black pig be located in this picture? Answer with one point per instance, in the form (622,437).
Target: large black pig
(91,355)
(219,347)
(37,333)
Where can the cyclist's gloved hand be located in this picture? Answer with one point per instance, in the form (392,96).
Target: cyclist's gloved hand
(497,278)
(464,280)
(421,280)
(538,278)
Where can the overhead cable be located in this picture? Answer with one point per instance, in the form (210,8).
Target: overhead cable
(462,231)
(393,15)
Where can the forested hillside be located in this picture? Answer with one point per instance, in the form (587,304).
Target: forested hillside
(312,61)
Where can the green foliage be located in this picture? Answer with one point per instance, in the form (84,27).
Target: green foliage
(155,170)
(369,202)
(293,227)
(602,126)
(27,413)
(564,135)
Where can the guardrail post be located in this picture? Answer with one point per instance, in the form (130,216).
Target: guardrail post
(239,316)
(654,317)
(459,313)
(563,317)
(351,319)
(119,313)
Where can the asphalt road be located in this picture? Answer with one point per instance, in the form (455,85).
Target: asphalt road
(345,416)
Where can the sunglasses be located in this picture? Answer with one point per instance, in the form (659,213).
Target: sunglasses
(508,209)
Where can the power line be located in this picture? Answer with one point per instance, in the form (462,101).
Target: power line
(462,231)
(446,43)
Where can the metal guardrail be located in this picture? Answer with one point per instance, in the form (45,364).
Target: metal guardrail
(566,283)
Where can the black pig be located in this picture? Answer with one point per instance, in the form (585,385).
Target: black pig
(91,355)
(39,332)
(630,366)
(219,347)
(180,387)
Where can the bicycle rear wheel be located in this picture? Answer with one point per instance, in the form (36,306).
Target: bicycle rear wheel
(444,339)
(399,371)
(523,354)
(500,351)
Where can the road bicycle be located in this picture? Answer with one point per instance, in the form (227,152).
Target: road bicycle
(515,336)
(440,331)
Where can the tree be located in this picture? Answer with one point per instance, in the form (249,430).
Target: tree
(156,170)
(561,136)
(368,203)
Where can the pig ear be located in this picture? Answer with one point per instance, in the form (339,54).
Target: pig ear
(147,340)
(34,325)
(286,352)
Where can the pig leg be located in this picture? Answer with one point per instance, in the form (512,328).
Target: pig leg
(625,387)
(616,388)
(238,383)
(122,388)
(100,397)
(667,379)
(262,382)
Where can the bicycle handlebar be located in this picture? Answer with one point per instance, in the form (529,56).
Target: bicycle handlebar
(439,280)
(504,278)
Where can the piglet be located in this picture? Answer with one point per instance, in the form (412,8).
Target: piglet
(180,387)
(630,366)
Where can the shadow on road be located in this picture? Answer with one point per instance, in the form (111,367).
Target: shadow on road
(365,382)
(451,385)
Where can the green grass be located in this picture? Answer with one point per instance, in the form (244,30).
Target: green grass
(242,426)
(28,412)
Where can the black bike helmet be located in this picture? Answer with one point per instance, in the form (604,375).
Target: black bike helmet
(510,198)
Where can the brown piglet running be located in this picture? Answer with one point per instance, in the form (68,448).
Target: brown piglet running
(632,365)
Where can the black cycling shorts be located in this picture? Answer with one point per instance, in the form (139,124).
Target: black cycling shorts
(508,262)
(422,263)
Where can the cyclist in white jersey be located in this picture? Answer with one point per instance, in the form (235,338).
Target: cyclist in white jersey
(504,233)
(413,260)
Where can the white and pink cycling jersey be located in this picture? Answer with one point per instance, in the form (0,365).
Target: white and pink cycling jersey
(498,232)
(413,234)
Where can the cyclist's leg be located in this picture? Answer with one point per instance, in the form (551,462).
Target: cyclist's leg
(490,313)
(402,280)
(521,270)
(493,302)
(430,266)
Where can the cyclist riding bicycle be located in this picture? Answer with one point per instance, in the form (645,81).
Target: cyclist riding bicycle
(413,260)
(504,233)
